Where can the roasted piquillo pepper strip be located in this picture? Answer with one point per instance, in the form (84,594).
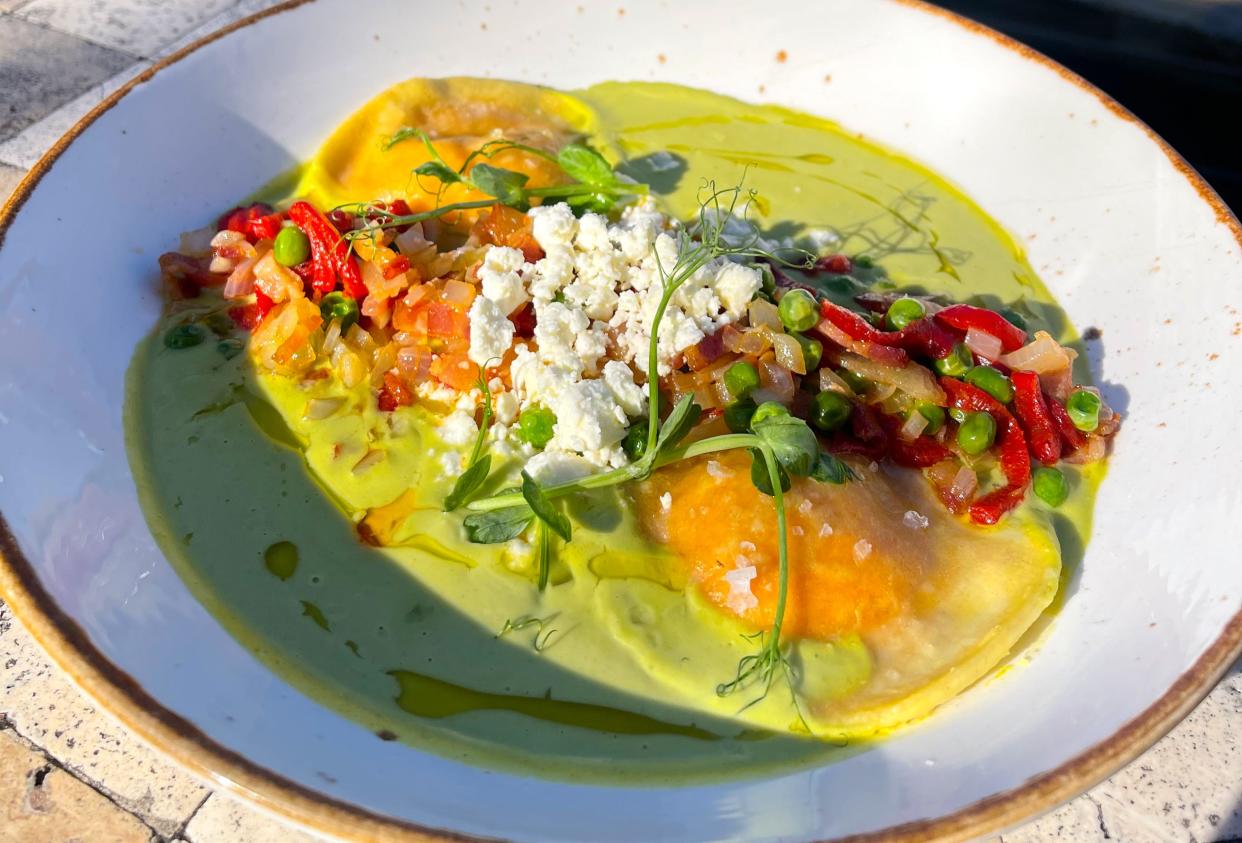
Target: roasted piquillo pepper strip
(848,329)
(330,257)
(923,452)
(1032,411)
(1072,436)
(927,337)
(965,316)
(1015,460)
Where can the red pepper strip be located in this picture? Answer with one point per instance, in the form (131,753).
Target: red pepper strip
(927,338)
(1015,459)
(856,334)
(1032,410)
(329,252)
(264,227)
(923,452)
(964,317)
(1072,436)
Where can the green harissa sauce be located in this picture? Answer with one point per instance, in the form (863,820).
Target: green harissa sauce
(406,638)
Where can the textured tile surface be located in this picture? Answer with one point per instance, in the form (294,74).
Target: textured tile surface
(137,27)
(27,146)
(39,802)
(43,707)
(223,819)
(41,69)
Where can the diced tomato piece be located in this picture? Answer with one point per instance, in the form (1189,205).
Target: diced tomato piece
(523,320)
(455,370)
(394,394)
(506,226)
(446,321)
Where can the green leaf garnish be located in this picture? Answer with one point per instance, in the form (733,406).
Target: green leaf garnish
(760,477)
(469,482)
(584,164)
(498,525)
(543,553)
(439,170)
(543,508)
(402,134)
(792,442)
(830,469)
(505,185)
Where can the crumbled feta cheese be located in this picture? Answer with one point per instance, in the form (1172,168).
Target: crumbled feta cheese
(736,285)
(505,406)
(666,501)
(915,520)
(450,463)
(458,428)
(491,333)
(553,467)
(435,392)
(500,275)
(629,396)
(587,418)
(518,548)
(862,549)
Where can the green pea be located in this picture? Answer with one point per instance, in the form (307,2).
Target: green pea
(1084,410)
(184,336)
(992,382)
(977,433)
(737,415)
(830,410)
(934,415)
(291,246)
(798,310)
(767,410)
(957,362)
(635,442)
(812,351)
(902,312)
(864,261)
(958,415)
(741,379)
(535,426)
(337,305)
(1050,486)
(854,381)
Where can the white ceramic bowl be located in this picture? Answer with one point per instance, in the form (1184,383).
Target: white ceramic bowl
(1122,230)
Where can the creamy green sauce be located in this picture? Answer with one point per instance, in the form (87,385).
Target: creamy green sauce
(446,645)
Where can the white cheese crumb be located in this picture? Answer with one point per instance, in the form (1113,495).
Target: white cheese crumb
(505,406)
(518,548)
(666,501)
(458,428)
(450,463)
(862,549)
(629,396)
(491,333)
(553,467)
(915,520)
(501,278)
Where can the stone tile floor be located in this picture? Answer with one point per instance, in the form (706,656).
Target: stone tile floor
(70,772)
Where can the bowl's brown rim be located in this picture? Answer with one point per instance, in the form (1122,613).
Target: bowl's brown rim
(120,695)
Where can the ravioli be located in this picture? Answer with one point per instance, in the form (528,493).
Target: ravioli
(891,618)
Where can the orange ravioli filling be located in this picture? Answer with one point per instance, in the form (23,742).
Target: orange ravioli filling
(841,580)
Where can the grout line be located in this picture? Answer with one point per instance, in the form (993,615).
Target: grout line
(7,725)
(181,829)
(47,26)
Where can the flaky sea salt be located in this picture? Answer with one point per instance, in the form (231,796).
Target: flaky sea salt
(915,520)
(747,546)
(825,530)
(862,549)
(805,506)
(666,501)
(715,469)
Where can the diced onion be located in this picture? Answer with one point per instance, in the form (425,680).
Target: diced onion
(912,379)
(371,459)
(241,280)
(331,336)
(775,383)
(964,483)
(1042,355)
(830,381)
(197,243)
(764,313)
(458,293)
(914,426)
(789,353)
(1093,451)
(321,408)
(984,344)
